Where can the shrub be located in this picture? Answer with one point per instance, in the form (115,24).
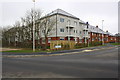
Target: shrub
(66,46)
(81,45)
(95,43)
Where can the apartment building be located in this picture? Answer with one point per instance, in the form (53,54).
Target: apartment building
(97,34)
(117,37)
(70,27)
(67,27)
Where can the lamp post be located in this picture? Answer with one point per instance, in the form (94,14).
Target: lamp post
(75,32)
(68,30)
(56,27)
(34,27)
(56,24)
(88,32)
(102,34)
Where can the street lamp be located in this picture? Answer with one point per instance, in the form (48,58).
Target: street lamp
(34,27)
(68,30)
(102,34)
(56,24)
(88,32)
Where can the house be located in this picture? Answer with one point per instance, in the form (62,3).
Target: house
(117,37)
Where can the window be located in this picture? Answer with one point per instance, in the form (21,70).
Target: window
(61,29)
(84,32)
(80,32)
(61,20)
(49,39)
(75,23)
(99,39)
(43,31)
(76,31)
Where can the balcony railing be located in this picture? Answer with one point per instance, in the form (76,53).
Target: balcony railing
(85,29)
(70,26)
(86,36)
(70,35)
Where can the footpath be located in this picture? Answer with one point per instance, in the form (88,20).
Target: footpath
(62,52)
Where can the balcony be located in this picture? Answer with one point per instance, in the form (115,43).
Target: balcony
(70,35)
(85,29)
(70,26)
(87,36)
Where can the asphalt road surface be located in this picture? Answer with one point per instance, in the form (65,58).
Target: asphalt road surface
(93,64)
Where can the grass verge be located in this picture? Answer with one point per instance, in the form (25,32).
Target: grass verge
(115,43)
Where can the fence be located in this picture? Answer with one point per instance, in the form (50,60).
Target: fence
(62,44)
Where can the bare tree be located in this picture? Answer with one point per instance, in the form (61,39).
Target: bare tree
(29,23)
(47,26)
(22,30)
(27,26)
(6,35)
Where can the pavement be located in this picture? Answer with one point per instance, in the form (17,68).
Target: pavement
(7,49)
(84,63)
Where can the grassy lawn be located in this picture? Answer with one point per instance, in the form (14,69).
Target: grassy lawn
(31,51)
(115,43)
(90,46)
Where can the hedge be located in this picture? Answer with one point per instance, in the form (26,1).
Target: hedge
(81,45)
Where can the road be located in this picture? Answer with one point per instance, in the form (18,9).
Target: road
(93,64)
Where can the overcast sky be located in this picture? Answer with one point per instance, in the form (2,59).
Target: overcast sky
(93,11)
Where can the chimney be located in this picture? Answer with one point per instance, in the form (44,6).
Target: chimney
(87,24)
(96,26)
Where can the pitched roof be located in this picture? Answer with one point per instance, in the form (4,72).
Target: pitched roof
(109,33)
(118,34)
(96,30)
(80,21)
(62,12)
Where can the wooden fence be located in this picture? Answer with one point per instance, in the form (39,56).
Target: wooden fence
(62,44)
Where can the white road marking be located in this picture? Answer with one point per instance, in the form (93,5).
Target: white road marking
(87,50)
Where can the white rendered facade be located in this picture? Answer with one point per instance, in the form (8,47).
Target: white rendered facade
(67,25)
